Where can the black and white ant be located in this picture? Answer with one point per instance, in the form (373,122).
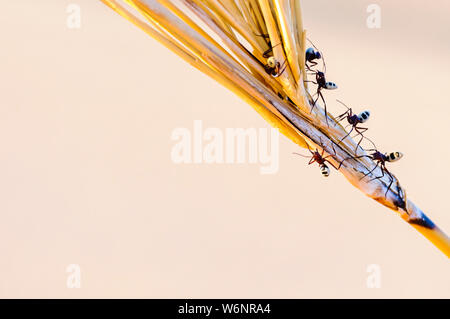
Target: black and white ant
(381,160)
(354,120)
(311,55)
(318,158)
(322,84)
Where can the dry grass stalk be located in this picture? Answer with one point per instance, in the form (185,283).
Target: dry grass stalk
(284,101)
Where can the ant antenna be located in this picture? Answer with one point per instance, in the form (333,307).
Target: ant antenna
(301,155)
(373,144)
(343,104)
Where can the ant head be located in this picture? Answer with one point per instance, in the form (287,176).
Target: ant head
(310,51)
(318,55)
(271,62)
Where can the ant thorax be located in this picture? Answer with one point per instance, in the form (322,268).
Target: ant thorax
(320,78)
(377,156)
(318,158)
(353,119)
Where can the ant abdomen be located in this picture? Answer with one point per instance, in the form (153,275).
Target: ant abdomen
(271,62)
(325,170)
(393,157)
(330,86)
(363,116)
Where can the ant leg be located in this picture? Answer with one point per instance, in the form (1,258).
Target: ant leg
(373,144)
(265,36)
(315,101)
(325,158)
(346,135)
(325,107)
(359,142)
(332,146)
(310,65)
(266,53)
(336,168)
(382,173)
(311,70)
(321,145)
(378,163)
(282,69)
(301,155)
(342,116)
(353,157)
(390,184)
(391,178)
(357,129)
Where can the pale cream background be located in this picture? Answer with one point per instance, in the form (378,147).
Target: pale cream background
(86,175)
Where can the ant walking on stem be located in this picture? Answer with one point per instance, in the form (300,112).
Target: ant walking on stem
(318,158)
(354,120)
(380,160)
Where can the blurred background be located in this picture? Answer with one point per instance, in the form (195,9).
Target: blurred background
(86,175)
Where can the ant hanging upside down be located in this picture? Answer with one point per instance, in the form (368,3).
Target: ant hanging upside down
(381,160)
(322,84)
(318,158)
(273,67)
(311,55)
(354,120)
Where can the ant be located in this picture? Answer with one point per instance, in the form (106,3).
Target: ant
(319,159)
(273,67)
(311,55)
(381,160)
(322,84)
(354,120)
